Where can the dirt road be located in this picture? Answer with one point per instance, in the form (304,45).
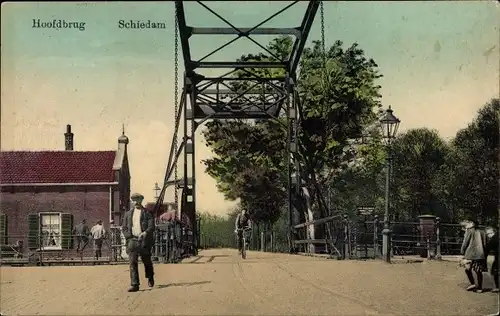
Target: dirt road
(220,283)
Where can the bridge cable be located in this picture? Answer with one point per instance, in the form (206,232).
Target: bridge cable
(325,62)
(329,226)
(322,12)
(176,104)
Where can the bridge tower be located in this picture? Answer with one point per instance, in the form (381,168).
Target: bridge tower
(205,96)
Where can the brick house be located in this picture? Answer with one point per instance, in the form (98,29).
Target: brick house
(43,194)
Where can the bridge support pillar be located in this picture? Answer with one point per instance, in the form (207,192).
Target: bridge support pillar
(293,166)
(386,244)
(189,179)
(210,93)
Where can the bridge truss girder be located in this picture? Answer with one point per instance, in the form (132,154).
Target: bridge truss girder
(219,97)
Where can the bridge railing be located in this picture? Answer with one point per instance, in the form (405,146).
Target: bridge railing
(209,241)
(173,242)
(362,239)
(329,228)
(46,249)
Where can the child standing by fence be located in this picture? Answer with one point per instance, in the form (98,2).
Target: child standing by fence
(492,249)
(473,250)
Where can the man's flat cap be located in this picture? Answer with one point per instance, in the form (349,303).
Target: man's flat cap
(137,196)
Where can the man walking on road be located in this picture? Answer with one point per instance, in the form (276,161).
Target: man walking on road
(98,234)
(138,228)
(81,232)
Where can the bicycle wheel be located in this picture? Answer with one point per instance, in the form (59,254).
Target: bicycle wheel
(244,249)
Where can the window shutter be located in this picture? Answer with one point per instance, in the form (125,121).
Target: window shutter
(66,231)
(33,231)
(3,230)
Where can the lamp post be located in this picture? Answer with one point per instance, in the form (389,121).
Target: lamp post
(389,124)
(156,189)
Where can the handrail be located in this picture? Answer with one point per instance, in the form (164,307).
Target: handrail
(311,241)
(328,242)
(317,221)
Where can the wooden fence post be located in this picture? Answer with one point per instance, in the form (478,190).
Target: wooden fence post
(272,241)
(262,248)
(346,238)
(375,237)
(428,246)
(438,239)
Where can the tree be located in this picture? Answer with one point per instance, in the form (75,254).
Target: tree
(244,168)
(470,178)
(418,156)
(360,181)
(217,231)
(338,96)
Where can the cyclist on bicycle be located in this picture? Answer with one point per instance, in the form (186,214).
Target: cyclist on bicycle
(243,221)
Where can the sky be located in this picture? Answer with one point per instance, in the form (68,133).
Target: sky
(440,62)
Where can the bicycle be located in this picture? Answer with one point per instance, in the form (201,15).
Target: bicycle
(244,239)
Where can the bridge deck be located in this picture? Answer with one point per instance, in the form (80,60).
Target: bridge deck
(221,283)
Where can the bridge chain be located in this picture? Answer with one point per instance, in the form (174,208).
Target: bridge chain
(176,103)
(322,12)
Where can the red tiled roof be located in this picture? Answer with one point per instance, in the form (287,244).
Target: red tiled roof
(164,207)
(172,216)
(56,166)
(169,216)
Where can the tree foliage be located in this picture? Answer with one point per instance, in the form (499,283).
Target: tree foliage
(245,169)
(470,178)
(338,96)
(418,156)
(430,175)
(340,150)
(217,231)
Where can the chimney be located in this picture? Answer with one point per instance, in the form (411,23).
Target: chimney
(68,137)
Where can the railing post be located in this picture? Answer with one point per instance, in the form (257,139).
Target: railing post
(391,243)
(428,242)
(158,237)
(375,237)
(354,232)
(272,241)
(346,238)
(166,244)
(438,239)
(262,242)
(365,234)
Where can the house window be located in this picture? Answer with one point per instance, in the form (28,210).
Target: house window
(3,230)
(50,231)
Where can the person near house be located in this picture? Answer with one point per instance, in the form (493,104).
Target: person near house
(492,249)
(81,232)
(167,237)
(98,234)
(243,221)
(474,252)
(138,229)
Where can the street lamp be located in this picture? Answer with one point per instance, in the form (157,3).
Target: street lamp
(389,125)
(156,189)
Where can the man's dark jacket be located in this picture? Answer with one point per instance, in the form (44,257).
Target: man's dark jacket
(82,231)
(147,225)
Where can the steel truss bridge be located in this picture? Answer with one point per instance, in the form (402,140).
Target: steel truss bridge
(203,97)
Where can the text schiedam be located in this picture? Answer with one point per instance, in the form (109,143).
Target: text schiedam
(141,24)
